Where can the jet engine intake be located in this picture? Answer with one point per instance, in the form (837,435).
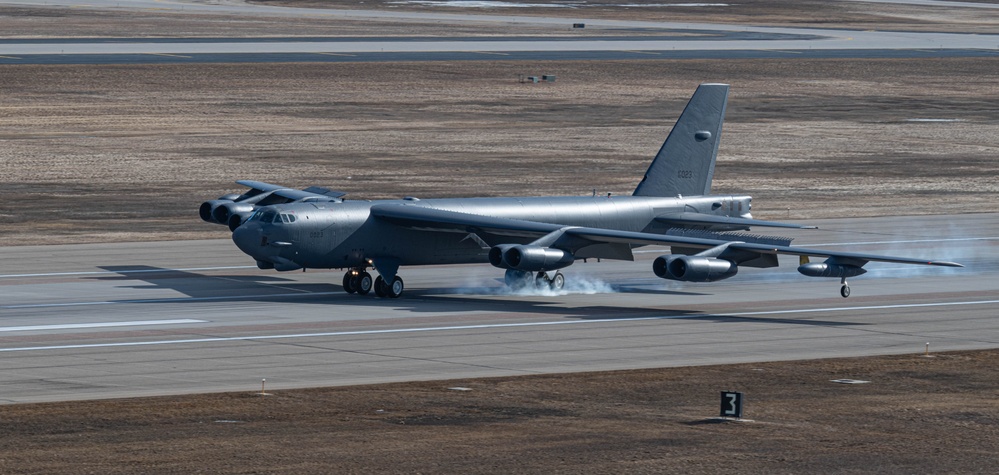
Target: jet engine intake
(693,268)
(224,211)
(827,269)
(529,257)
(207,209)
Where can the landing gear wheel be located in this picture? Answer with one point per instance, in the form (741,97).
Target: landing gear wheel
(364,282)
(395,290)
(348,283)
(844,291)
(516,279)
(557,281)
(380,287)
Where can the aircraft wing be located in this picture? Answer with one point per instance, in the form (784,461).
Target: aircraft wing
(698,219)
(288,193)
(432,219)
(572,238)
(610,235)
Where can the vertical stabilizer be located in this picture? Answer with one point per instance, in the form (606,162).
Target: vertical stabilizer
(686,162)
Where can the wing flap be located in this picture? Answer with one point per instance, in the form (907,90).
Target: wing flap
(698,219)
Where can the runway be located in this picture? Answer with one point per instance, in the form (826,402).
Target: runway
(141,319)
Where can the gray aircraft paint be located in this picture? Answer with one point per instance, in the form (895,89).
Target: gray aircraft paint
(315,228)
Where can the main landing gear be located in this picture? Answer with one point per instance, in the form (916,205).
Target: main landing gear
(845,289)
(358,281)
(516,280)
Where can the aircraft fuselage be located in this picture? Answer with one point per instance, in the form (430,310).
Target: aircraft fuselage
(325,235)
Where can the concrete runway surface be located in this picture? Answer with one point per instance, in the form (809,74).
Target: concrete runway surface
(140,319)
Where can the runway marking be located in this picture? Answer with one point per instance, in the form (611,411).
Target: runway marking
(497,53)
(782,51)
(640,52)
(136,271)
(338,54)
(483,327)
(9,57)
(167,300)
(75,326)
(170,55)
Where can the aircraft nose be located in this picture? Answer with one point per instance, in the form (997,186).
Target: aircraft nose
(247,239)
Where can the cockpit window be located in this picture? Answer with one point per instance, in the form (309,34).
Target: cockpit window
(288,218)
(268,216)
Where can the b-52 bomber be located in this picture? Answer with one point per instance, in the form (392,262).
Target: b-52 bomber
(532,238)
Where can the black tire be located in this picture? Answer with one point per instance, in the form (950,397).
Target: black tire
(557,281)
(844,291)
(380,287)
(395,290)
(364,283)
(348,283)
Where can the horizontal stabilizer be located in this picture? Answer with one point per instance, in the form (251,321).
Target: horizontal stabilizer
(698,219)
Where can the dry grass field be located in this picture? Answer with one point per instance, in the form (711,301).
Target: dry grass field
(119,152)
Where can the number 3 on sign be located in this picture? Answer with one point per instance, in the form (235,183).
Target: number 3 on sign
(731,404)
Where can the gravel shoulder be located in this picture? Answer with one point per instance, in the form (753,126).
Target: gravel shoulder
(916,414)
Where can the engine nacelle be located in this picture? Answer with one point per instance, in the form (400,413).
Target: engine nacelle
(693,268)
(529,258)
(207,209)
(826,269)
(496,256)
(222,212)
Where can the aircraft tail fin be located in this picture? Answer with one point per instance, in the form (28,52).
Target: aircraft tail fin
(685,164)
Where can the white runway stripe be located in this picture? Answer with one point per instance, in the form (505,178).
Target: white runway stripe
(486,326)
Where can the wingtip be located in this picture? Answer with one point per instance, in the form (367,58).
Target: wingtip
(945,264)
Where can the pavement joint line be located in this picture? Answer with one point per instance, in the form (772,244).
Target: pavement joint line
(76,326)
(497,53)
(260,338)
(136,271)
(9,57)
(640,52)
(170,55)
(337,54)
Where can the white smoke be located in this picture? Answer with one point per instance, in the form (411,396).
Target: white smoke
(574,285)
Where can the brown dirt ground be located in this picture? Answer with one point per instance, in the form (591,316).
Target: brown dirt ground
(127,153)
(916,415)
(97,153)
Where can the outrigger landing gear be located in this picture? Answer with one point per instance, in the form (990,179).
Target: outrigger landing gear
(845,289)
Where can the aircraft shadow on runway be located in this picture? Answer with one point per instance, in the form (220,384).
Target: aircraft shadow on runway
(434,300)
(200,286)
